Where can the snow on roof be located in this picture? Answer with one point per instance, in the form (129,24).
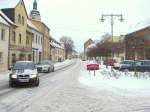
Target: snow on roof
(6,18)
(8,3)
(56,45)
(31,24)
(140,26)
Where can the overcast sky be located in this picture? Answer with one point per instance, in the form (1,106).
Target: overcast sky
(79,19)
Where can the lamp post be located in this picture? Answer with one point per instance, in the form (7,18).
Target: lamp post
(112,17)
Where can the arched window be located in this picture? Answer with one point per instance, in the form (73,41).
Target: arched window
(20,38)
(19,19)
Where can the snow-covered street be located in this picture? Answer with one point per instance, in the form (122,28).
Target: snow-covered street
(62,91)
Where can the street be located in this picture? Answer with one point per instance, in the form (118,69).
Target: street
(62,92)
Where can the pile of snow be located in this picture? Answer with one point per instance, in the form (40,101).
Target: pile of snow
(112,80)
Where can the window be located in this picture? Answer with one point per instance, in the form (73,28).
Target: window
(39,40)
(19,19)
(1,57)
(36,39)
(22,20)
(14,37)
(3,34)
(20,38)
(27,41)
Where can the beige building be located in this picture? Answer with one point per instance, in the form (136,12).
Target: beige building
(86,44)
(20,45)
(4,41)
(57,51)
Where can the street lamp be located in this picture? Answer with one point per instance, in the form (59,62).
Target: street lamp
(112,17)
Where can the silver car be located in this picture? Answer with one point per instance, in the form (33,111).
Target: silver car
(24,72)
(45,66)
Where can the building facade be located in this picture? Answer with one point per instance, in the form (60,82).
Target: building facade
(138,44)
(57,51)
(19,49)
(37,39)
(4,42)
(86,44)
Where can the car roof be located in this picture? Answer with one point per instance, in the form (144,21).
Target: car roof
(24,61)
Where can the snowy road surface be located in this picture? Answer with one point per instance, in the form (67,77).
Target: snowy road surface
(62,92)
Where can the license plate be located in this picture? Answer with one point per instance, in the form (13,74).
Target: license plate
(23,80)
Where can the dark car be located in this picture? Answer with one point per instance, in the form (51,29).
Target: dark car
(24,72)
(45,66)
(142,66)
(127,65)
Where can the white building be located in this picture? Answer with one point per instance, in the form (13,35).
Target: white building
(37,40)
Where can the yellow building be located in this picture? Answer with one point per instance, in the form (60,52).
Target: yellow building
(57,51)
(20,42)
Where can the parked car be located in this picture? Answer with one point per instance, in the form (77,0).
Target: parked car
(92,65)
(127,65)
(45,66)
(24,72)
(142,66)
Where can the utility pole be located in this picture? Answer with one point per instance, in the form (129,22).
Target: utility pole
(112,17)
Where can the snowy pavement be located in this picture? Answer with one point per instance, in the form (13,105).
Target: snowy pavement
(61,91)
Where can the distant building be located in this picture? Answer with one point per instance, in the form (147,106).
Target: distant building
(86,44)
(57,51)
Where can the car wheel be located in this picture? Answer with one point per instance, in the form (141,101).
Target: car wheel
(53,69)
(48,70)
(37,83)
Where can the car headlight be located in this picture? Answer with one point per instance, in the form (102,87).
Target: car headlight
(33,76)
(14,76)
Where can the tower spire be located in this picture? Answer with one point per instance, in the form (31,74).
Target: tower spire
(35,14)
(35,5)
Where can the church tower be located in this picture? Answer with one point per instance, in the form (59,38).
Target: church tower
(35,14)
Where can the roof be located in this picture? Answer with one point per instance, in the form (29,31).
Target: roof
(56,45)
(6,18)
(30,24)
(8,3)
(140,26)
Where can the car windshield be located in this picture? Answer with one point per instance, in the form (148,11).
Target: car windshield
(127,62)
(24,65)
(45,62)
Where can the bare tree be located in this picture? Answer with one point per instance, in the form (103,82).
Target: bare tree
(68,44)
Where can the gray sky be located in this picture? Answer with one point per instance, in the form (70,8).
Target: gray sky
(79,19)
